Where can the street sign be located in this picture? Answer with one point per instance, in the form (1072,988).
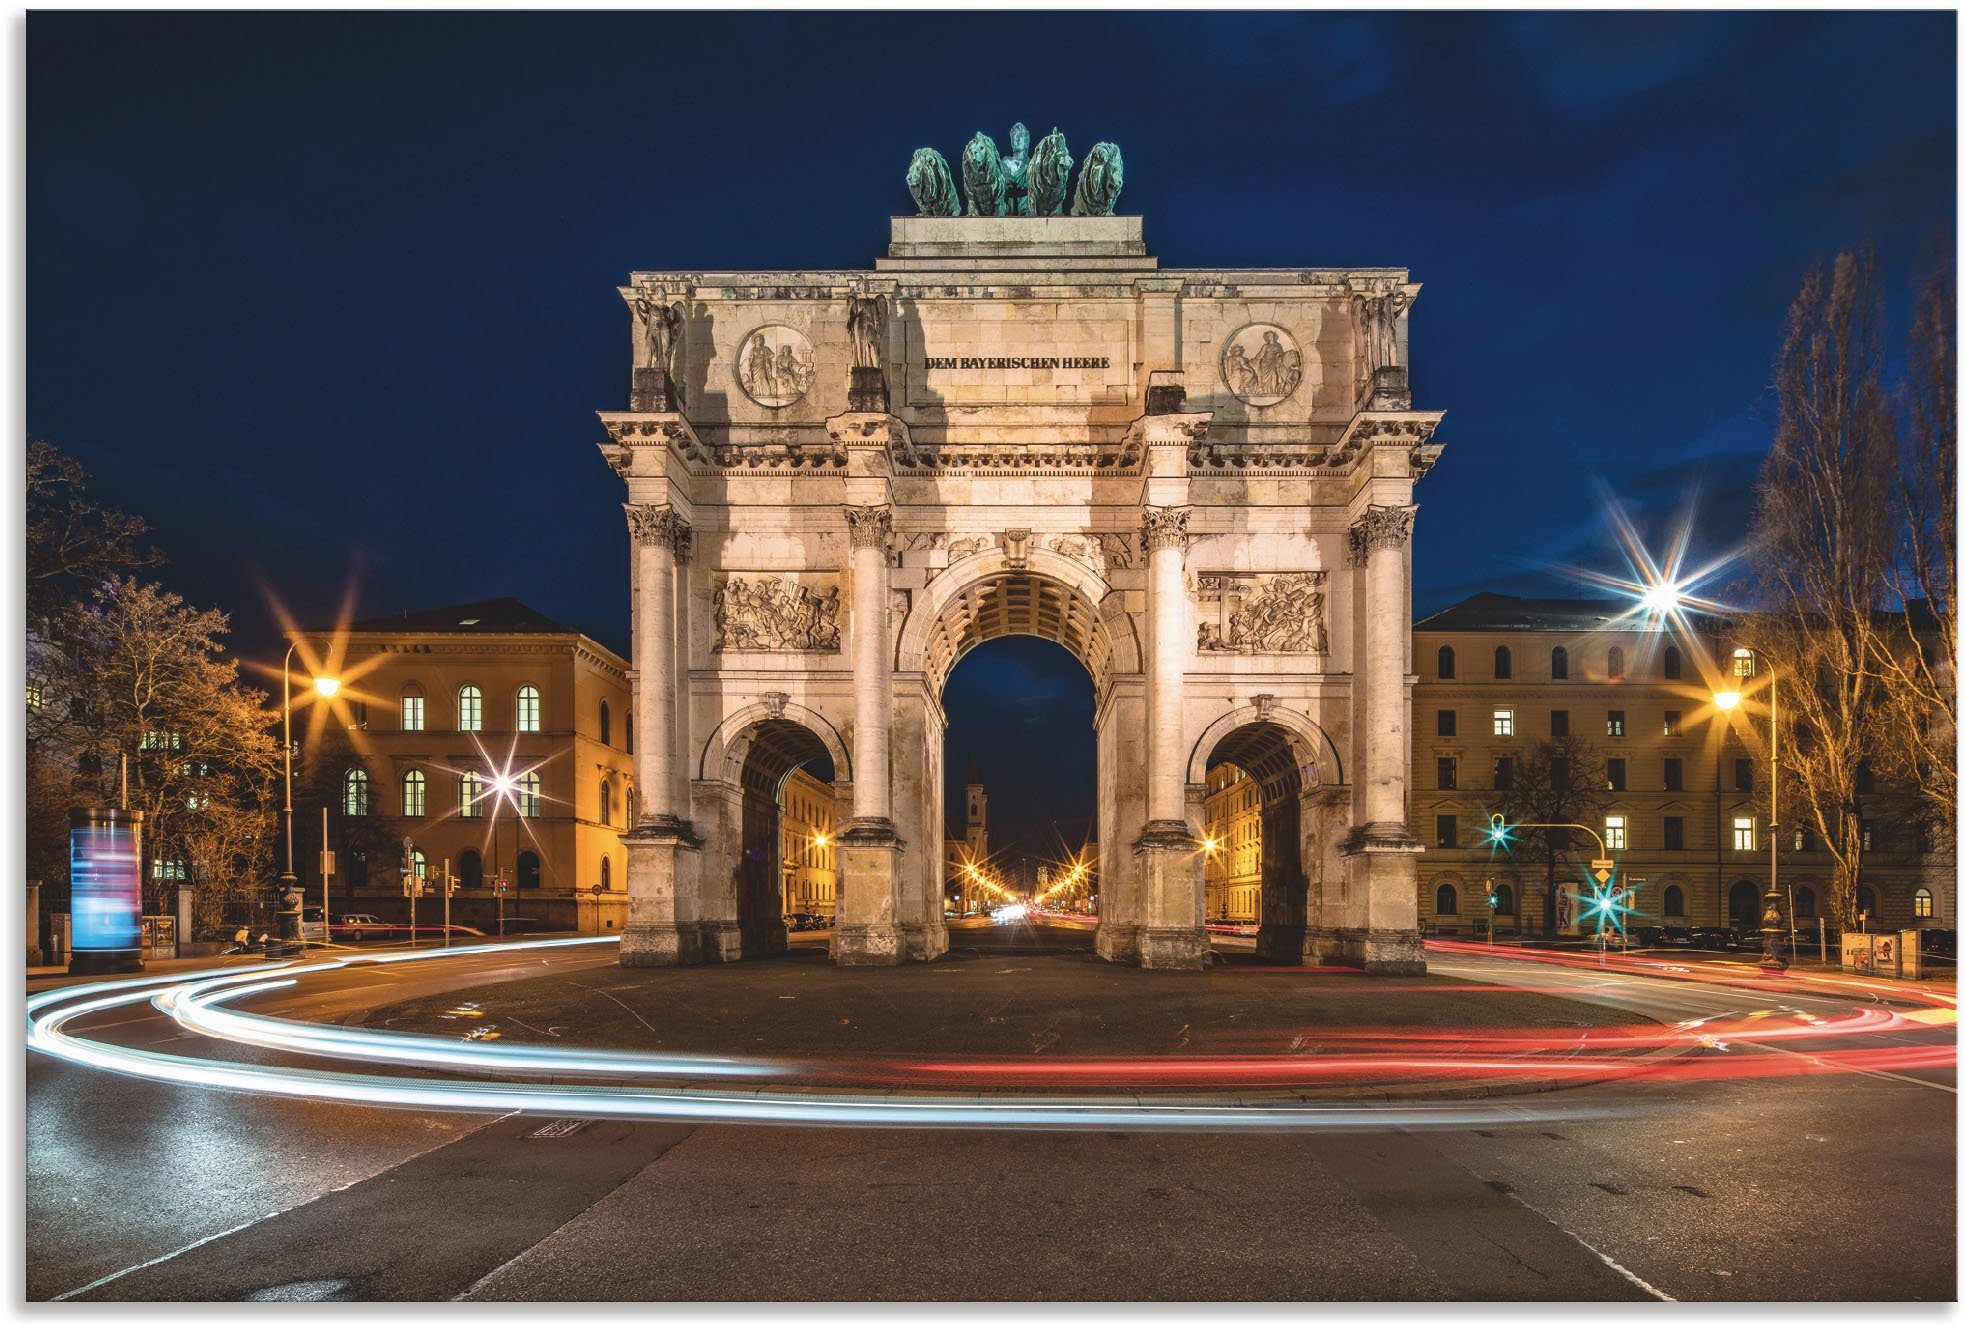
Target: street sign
(1602,867)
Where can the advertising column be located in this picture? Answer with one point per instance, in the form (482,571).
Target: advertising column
(105,889)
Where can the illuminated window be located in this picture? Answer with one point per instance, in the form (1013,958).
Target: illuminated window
(355,793)
(419,864)
(1614,723)
(1504,663)
(1505,723)
(1559,664)
(1671,726)
(167,870)
(1921,903)
(528,709)
(156,741)
(412,711)
(413,790)
(470,794)
(1447,901)
(470,709)
(1863,834)
(529,794)
(34,693)
(1614,664)
(1614,833)
(1743,833)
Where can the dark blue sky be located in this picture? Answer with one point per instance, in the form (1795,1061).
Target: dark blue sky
(331,297)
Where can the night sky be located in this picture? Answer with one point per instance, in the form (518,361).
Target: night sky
(329,299)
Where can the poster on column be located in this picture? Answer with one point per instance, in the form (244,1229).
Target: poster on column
(1569,908)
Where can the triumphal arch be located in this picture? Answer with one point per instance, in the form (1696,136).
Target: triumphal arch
(1198,481)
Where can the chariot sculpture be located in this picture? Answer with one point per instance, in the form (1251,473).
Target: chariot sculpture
(1030,182)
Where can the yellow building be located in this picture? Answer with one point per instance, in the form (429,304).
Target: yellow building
(961,888)
(806,852)
(1232,865)
(490,737)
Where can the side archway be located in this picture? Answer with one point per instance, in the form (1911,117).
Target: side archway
(724,754)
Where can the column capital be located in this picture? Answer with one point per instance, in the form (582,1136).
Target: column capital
(870,527)
(1380,526)
(1164,527)
(657,524)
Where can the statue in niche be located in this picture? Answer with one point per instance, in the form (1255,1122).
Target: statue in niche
(770,613)
(1048,177)
(985,186)
(1378,327)
(1100,180)
(662,333)
(934,189)
(866,328)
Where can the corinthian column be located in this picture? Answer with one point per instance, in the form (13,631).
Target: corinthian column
(866,932)
(1164,535)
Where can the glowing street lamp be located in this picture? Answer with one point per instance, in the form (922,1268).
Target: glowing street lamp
(287,914)
(1771,902)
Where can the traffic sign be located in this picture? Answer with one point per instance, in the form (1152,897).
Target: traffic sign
(1602,867)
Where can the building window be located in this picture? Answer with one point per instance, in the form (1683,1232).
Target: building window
(1504,664)
(607,802)
(1921,902)
(1614,723)
(528,786)
(1670,728)
(358,870)
(1743,774)
(1446,831)
(1614,774)
(1444,768)
(1801,839)
(36,697)
(1504,773)
(1614,833)
(1675,834)
(470,709)
(1502,900)
(1675,774)
(1675,904)
(1614,664)
(413,788)
(166,870)
(1805,902)
(1560,773)
(1444,724)
(1444,663)
(1743,833)
(607,874)
(1863,834)
(355,793)
(471,869)
(1447,901)
(528,709)
(1505,723)
(1671,662)
(528,870)
(412,711)
(1559,723)
(605,724)
(470,794)
(1559,664)
(1866,900)
(358,714)
(419,865)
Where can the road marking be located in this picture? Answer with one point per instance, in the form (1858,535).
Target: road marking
(1873,1073)
(1603,1257)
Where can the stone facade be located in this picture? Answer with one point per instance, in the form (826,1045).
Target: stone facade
(1062,439)
(1233,841)
(807,852)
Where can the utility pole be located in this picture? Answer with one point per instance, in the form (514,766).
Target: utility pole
(327,869)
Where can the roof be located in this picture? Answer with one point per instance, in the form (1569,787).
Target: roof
(487,617)
(1489,611)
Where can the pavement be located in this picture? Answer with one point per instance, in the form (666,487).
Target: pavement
(1817,1186)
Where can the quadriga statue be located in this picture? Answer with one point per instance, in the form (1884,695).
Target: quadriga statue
(984,183)
(1099,182)
(1048,176)
(932,185)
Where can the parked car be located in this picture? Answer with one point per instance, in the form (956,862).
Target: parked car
(1716,937)
(1939,943)
(1673,937)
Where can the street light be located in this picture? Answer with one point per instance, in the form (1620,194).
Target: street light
(1771,902)
(287,916)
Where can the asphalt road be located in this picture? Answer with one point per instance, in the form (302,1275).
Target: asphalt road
(1810,1187)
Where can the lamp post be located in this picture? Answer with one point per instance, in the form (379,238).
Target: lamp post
(1771,902)
(286,942)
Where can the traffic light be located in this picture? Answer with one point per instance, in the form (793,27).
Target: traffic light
(1498,831)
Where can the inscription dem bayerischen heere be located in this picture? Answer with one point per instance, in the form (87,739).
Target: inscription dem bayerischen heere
(1017,362)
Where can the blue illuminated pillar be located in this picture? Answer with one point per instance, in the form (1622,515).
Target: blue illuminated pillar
(105,854)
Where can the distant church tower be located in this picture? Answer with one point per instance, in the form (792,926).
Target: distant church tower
(977,836)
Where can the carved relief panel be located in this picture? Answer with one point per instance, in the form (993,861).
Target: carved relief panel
(766,611)
(1261,613)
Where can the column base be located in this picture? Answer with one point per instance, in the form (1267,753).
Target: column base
(1116,943)
(1282,944)
(865,934)
(721,942)
(920,944)
(660,946)
(1176,947)
(1382,860)
(661,862)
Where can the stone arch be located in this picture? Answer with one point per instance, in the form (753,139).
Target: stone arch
(723,755)
(1316,741)
(1043,594)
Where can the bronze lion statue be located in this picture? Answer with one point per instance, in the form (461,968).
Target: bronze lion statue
(932,185)
(1048,176)
(984,182)
(1099,182)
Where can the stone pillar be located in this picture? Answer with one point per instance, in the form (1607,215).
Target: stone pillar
(1382,914)
(661,927)
(865,931)
(1169,901)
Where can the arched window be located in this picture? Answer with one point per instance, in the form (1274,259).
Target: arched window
(1614,664)
(411,709)
(355,792)
(1504,900)
(1921,903)
(605,725)
(607,802)
(471,869)
(470,709)
(419,864)
(1675,905)
(1867,900)
(1504,663)
(1805,902)
(1559,664)
(528,870)
(1671,662)
(413,789)
(528,787)
(1444,665)
(607,874)
(1744,905)
(470,794)
(1447,902)
(527,715)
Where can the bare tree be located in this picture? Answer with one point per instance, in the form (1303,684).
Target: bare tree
(1557,781)
(1917,654)
(71,542)
(1823,547)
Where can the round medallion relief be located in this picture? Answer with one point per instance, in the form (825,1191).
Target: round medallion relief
(1261,364)
(774,365)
